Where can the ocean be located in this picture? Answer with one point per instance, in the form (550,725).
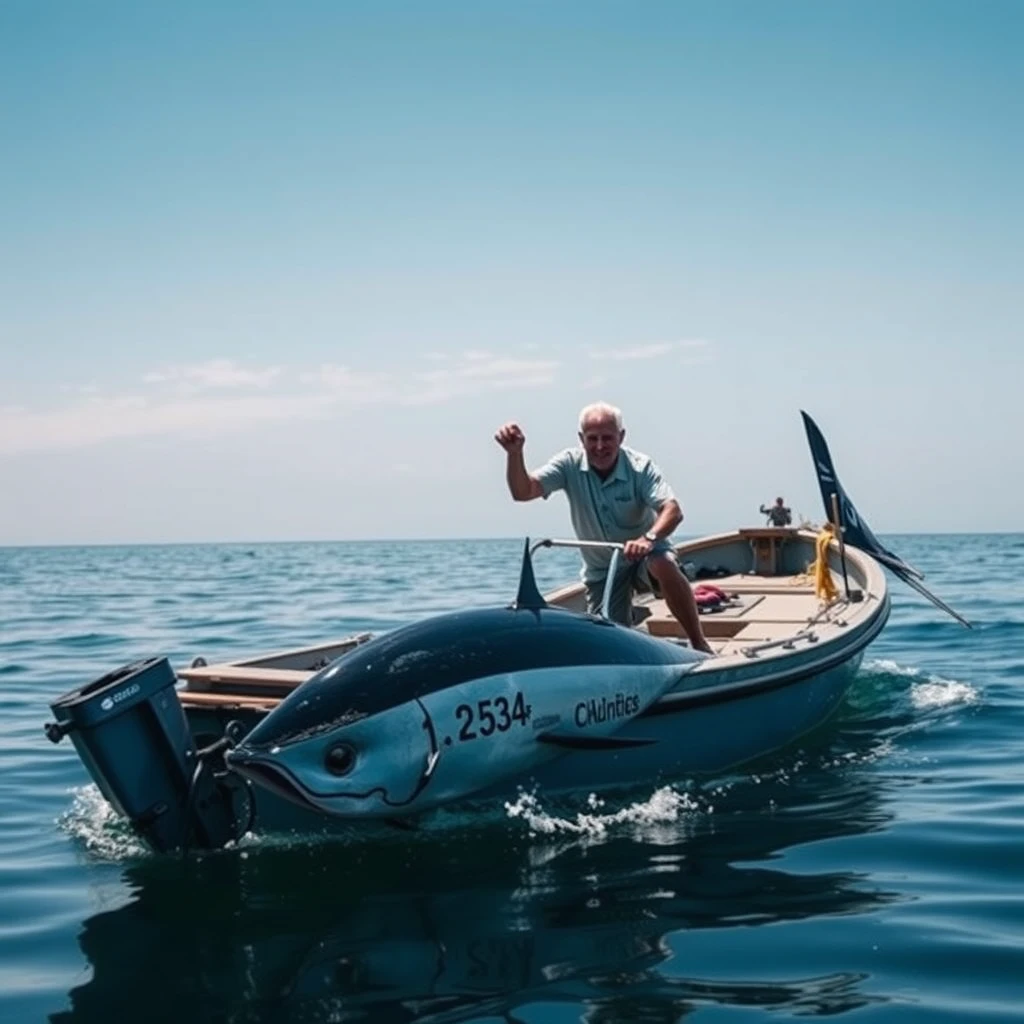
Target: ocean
(874,870)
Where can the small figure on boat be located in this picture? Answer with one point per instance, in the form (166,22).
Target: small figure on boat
(615,494)
(778,514)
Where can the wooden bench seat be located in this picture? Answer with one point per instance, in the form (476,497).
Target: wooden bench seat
(195,699)
(212,677)
(745,583)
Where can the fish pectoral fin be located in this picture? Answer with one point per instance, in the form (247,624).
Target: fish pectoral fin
(592,742)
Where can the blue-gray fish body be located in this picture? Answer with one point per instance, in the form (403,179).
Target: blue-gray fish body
(436,711)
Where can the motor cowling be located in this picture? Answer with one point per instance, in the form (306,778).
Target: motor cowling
(130,731)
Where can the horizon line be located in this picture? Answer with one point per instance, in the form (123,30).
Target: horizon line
(427,540)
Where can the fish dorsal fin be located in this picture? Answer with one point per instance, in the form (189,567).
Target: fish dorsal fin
(529,596)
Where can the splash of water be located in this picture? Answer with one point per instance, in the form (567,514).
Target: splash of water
(99,828)
(928,692)
(940,693)
(888,667)
(665,806)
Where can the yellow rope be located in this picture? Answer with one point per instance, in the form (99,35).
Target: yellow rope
(824,586)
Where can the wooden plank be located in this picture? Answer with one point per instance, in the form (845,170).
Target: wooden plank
(712,626)
(749,583)
(787,608)
(192,698)
(756,632)
(768,532)
(741,609)
(307,655)
(207,676)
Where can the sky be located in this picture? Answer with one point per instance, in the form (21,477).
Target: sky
(278,271)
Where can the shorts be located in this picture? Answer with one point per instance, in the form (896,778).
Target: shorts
(630,578)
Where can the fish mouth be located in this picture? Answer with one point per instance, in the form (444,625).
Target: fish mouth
(271,777)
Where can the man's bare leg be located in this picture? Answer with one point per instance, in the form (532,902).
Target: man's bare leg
(678,594)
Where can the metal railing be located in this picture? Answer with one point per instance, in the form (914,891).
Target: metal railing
(613,566)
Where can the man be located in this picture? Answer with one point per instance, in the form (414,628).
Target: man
(614,494)
(778,514)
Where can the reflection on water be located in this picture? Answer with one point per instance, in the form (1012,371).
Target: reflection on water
(481,921)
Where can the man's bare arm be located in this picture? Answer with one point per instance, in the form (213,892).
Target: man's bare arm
(521,485)
(669,517)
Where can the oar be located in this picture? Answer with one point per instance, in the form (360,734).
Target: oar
(925,592)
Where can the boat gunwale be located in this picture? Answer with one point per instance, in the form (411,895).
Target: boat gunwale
(849,647)
(830,650)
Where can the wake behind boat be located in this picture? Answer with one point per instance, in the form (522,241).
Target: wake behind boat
(477,705)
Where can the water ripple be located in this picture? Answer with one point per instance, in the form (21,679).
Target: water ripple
(875,866)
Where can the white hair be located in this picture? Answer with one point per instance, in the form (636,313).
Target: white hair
(601,411)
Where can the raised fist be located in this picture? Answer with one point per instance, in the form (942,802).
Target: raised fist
(511,437)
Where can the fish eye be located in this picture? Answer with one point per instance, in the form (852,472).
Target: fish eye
(340,759)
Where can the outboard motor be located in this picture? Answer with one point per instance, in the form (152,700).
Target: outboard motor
(130,730)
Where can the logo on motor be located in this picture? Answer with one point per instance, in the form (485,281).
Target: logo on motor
(108,703)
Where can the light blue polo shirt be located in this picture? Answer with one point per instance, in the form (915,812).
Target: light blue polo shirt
(619,508)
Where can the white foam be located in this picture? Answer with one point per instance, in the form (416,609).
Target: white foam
(883,750)
(665,805)
(942,693)
(933,691)
(884,666)
(94,823)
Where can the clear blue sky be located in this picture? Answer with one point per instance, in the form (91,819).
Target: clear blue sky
(278,271)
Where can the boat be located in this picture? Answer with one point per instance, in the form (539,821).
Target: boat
(473,707)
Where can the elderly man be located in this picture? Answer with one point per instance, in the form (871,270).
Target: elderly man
(614,494)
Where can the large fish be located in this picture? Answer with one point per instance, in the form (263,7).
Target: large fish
(441,709)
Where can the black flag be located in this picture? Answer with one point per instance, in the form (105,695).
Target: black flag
(855,530)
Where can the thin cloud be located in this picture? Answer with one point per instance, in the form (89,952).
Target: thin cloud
(105,419)
(207,397)
(468,374)
(510,370)
(652,350)
(431,470)
(480,371)
(355,387)
(214,375)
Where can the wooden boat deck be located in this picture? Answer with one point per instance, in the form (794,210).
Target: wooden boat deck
(762,610)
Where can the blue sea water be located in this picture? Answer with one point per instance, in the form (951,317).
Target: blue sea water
(874,870)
